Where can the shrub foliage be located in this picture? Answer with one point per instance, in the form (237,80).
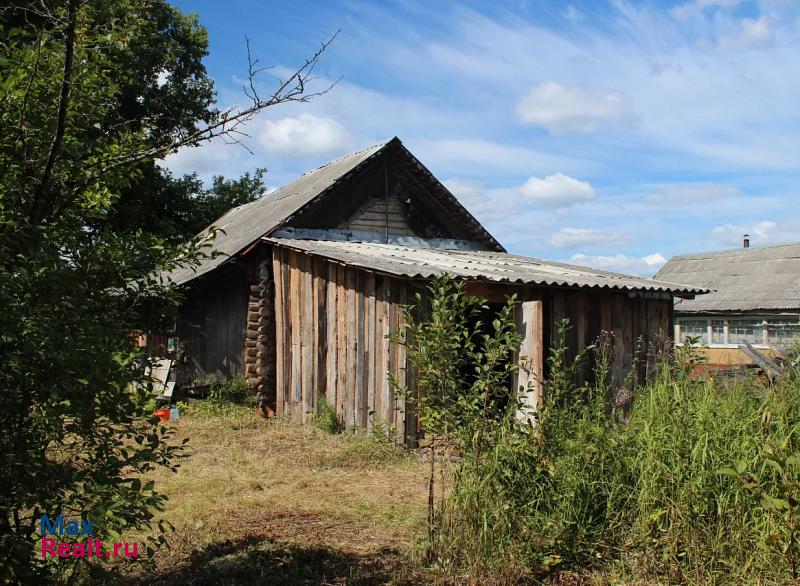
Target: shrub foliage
(683,481)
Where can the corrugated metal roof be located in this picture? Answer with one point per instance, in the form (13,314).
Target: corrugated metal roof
(501,267)
(748,279)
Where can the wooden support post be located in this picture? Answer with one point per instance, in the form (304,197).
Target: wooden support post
(529,316)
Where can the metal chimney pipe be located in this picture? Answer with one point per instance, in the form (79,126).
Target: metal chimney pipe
(746,241)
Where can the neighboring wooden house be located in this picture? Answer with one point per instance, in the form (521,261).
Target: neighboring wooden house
(313,277)
(755,299)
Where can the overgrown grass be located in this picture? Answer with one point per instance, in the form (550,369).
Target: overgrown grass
(695,484)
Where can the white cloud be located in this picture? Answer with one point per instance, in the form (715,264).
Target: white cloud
(645,266)
(467,191)
(214,157)
(557,190)
(689,194)
(303,136)
(756,31)
(749,33)
(696,7)
(575,237)
(761,233)
(575,108)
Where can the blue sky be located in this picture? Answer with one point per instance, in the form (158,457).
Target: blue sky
(610,134)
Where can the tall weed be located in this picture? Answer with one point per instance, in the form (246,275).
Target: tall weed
(680,480)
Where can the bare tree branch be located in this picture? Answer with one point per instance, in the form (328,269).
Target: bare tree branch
(292,89)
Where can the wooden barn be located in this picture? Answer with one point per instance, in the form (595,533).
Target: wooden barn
(313,276)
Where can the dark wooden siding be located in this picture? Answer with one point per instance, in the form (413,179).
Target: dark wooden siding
(637,321)
(212,324)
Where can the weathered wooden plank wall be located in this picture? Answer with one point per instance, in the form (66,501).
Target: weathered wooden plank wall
(213,321)
(332,325)
(635,321)
(332,322)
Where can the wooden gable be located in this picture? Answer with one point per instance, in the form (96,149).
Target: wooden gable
(380,213)
(391,196)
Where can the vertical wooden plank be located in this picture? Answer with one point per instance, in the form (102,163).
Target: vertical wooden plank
(377,357)
(360,382)
(341,344)
(280,330)
(387,399)
(641,336)
(307,340)
(351,371)
(629,339)
(330,331)
(530,321)
(370,346)
(320,348)
(618,316)
(401,365)
(581,326)
(295,312)
(289,326)
(653,333)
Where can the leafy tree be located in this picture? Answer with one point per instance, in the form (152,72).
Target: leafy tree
(73,142)
(463,369)
(177,208)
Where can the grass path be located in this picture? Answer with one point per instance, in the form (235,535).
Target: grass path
(272,502)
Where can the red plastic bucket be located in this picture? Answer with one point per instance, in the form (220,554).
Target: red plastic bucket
(162,414)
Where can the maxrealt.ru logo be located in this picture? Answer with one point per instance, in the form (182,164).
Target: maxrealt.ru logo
(76,529)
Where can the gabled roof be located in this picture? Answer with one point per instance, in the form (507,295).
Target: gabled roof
(246,224)
(500,267)
(748,279)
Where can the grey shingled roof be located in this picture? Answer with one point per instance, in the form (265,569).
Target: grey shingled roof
(244,225)
(501,267)
(744,280)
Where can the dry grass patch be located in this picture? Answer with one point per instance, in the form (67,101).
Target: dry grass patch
(277,502)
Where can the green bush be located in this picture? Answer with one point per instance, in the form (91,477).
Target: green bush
(234,390)
(326,418)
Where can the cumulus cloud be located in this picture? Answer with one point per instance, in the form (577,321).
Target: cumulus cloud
(557,190)
(645,266)
(575,237)
(304,135)
(561,109)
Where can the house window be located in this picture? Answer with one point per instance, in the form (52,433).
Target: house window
(743,331)
(780,331)
(783,332)
(718,331)
(695,328)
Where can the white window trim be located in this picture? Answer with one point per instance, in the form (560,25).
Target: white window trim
(725,343)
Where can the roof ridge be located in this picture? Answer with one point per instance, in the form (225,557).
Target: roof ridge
(734,250)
